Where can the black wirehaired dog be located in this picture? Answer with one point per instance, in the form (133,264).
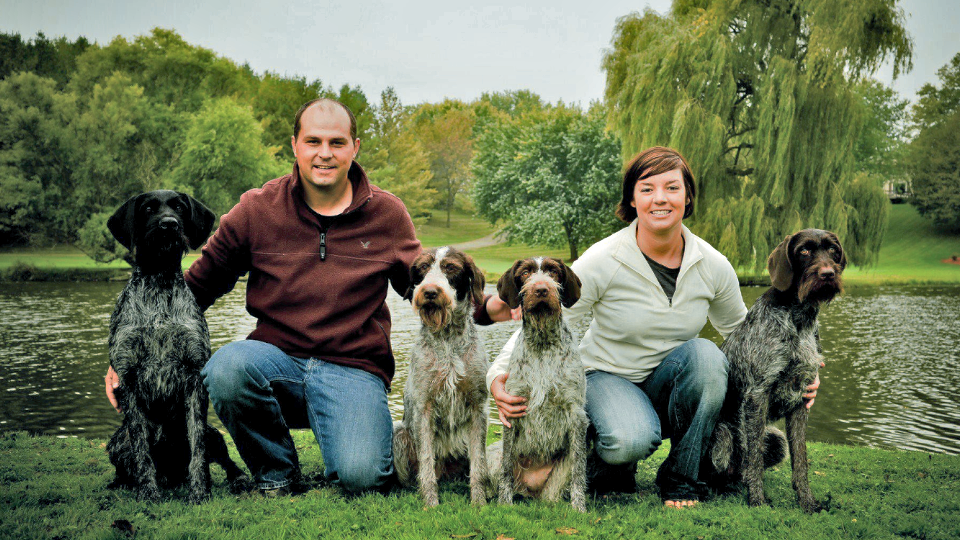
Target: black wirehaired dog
(774,355)
(158,345)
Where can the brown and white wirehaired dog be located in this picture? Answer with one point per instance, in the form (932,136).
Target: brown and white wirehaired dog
(774,355)
(545,368)
(445,399)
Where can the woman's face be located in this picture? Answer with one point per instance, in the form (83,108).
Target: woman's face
(660,201)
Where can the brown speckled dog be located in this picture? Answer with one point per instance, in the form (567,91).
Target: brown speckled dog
(445,399)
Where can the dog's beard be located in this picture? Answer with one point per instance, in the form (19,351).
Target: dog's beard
(541,312)
(162,247)
(435,314)
(815,289)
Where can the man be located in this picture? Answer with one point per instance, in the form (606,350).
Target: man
(320,245)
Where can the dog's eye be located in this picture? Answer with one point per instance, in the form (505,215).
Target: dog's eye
(804,251)
(832,250)
(450,267)
(424,267)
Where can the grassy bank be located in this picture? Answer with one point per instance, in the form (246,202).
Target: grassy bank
(912,253)
(56,488)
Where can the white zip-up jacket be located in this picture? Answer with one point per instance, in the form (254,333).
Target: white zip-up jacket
(634,325)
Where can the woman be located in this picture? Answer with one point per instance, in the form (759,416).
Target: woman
(651,287)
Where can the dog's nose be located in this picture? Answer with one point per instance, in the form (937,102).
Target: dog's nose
(541,291)
(827,273)
(169,223)
(429,293)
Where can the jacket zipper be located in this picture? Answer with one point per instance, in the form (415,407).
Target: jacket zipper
(323,245)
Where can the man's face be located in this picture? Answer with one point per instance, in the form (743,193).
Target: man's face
(323,148)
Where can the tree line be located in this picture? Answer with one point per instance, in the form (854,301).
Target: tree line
(772,104)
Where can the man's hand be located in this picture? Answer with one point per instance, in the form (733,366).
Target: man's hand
(499,311)
(112,381)
(812,390)
(508,406)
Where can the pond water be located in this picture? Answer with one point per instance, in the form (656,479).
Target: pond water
(891,380)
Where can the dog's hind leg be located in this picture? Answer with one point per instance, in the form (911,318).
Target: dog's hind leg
(427,470)
(199,467)
(478,457)
(217,452)
(797,435)
(404,455)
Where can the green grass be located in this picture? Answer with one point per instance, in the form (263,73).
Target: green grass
(56,488)
(463,228)
(911,252)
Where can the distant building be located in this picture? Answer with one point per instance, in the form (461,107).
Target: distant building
(898,191)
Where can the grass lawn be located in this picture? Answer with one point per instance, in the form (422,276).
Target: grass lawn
(463,228)
(911,252)
(56,488)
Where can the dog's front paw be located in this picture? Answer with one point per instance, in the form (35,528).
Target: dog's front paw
(810,506)
(148,493)
(240,484)
(198,496)
(757,500)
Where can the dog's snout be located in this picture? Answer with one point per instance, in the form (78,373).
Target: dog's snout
(827,273)
(541,290)
(430,292)
(169,222)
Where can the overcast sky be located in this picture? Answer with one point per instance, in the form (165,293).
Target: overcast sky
(426,50)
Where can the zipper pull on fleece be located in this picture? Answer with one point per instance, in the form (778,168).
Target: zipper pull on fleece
(323,246)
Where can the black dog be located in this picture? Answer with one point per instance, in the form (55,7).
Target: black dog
(158,345)
(774,355)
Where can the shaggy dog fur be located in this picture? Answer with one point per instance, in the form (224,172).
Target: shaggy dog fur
(774,355)
(445,399)
(545,368)
(158,344)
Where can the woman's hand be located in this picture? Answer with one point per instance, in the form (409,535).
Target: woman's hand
(499,311)
(508,406)
(112,381)
(812,390)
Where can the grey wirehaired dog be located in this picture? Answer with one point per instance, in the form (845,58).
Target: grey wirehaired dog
(545,368)
(774,355)
(158,344)
(445,399)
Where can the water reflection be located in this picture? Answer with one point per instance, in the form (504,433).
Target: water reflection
(890,378)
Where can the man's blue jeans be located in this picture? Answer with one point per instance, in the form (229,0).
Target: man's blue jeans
(259,392)
(680,400)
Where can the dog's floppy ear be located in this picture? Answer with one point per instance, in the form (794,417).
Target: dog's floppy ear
(507,286)
(571,286)
(198,221)
(843,254)
(778,264)
(414,279)
(121,223)
(477,281)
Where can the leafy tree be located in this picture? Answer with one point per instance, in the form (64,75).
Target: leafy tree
(879,148)
(446,132)
(554,175)
(396,161)
(54,59)
(223,156)
(760,96)
(37,153)
(276,103)
(934,156)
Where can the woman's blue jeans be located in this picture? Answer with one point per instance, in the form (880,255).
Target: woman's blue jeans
(680,400)
(259,392)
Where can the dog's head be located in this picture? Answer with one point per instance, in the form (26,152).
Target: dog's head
(158,227)
(442,279)
(809,263)
(541,285)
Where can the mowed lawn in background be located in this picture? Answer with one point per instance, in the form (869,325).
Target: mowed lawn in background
(912,250)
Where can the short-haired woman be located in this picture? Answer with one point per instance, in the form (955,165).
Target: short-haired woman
(651,287)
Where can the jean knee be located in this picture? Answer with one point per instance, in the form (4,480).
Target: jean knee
(621,449)
(227,372)
(708,369)
(357,474)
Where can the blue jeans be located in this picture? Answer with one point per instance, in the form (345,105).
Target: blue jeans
(259,392)
(680,400)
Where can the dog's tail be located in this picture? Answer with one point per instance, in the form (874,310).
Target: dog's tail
(774,447)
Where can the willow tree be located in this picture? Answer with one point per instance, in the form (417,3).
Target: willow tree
(760,96)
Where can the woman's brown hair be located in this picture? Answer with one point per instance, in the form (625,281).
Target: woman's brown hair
(651,162)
